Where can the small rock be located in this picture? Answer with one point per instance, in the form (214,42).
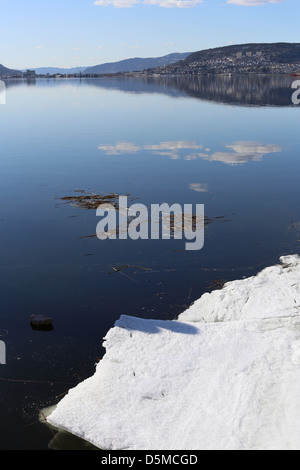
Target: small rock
(41,322)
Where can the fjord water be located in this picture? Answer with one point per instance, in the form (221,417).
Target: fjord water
(230,143)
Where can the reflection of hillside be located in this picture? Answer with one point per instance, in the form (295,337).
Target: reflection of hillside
(137,85)
(245,90)
(10,83)
(242,90)
(125,84)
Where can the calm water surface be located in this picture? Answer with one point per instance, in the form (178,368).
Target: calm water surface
(230,143)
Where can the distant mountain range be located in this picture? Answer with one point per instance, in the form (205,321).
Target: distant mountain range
(242,58)
(136,64)
(126,65)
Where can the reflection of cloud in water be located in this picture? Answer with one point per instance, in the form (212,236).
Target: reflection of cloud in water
(199,187)
(242,152)
(173,145)
(236,153)
(119,148)
(169,148)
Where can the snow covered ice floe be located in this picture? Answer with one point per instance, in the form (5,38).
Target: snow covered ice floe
(274,292)
(225,375)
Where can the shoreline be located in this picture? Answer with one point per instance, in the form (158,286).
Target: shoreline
(154,75)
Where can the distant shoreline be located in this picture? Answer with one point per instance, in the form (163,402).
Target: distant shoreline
(153,75)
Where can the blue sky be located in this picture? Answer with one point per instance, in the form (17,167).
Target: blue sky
(66,33)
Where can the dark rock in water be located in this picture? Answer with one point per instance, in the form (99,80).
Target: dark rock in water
(41,322)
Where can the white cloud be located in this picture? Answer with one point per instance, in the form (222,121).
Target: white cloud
(173,3)
(160,3)
(178,3)
(116,3)
(253,3)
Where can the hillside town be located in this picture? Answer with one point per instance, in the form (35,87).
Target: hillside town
(241,62)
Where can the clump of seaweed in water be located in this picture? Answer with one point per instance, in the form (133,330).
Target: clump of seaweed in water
(88,201)
(178,222)
(170,221)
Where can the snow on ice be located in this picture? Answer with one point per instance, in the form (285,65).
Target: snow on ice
(224,375)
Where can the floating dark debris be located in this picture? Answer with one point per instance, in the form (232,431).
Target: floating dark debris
(193,222)
(92,201)
(89,236)
(41,322)
(124,266)
(120,269)
(168,221)
(218,284)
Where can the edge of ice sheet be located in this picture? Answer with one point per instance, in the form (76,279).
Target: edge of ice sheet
(273,292)
(190,385)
